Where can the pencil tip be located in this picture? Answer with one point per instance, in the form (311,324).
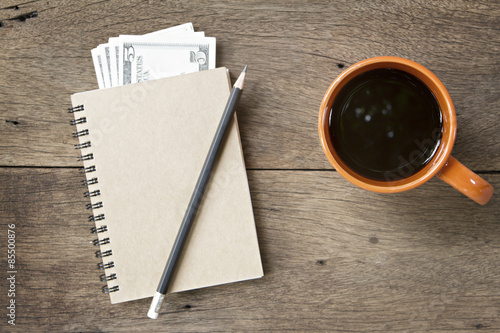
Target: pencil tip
(241,79)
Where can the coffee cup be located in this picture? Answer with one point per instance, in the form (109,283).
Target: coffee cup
(388,124)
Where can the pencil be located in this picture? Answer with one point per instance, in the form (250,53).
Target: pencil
(166,277)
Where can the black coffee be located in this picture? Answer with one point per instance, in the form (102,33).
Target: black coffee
(385,124)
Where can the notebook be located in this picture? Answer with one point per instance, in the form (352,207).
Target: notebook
(143,147)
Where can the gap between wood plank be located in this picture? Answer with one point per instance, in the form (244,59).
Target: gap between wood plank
(479,172)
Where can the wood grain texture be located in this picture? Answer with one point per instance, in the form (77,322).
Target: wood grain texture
(293,49)
(336,258)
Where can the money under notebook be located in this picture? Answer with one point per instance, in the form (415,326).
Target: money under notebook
(172,51)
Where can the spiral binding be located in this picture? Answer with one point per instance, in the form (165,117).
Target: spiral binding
(103,241)
(107,290)
(100,254)
(81,120)
(105,277)
(99,230)
(88,169)
(89,181)
(82,145)
(86,157)
(102,265)
(80,133)
(88,194)
(94,206)
(75,109)
(93,218)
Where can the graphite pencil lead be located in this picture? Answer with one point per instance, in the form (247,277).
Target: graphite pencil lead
(241,79)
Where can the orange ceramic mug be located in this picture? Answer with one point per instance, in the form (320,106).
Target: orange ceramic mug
(441,164)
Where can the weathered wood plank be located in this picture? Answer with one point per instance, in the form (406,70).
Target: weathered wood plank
(293,51)
(336,258)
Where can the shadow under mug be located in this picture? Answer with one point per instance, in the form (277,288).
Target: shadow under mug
(442,164)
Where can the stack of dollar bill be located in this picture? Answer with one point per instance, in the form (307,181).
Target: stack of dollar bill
(129,59)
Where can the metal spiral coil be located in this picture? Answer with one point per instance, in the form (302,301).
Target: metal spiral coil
(87,169)
(103,241)
(83,145)
(99,230)
(108,290)
(76,109)
(93,218)
(109,277)
(81,120)
(97,205)
(80,133)
(100,254)
(86,157)
(107,265)
(87,182)
(89,194)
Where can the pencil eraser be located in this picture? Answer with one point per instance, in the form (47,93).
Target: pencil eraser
(154,309)
(152,314)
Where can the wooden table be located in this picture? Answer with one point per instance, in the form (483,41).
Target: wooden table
(336,257)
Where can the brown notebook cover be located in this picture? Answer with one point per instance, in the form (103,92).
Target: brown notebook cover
(148,144)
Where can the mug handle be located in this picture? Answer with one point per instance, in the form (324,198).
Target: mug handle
(467,182)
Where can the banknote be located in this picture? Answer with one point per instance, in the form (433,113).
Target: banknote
(105,56)
(98,67)
(141,60)
(114,50)
(179,30)
(108,52)
(160,36)
(104,53)
(101,59)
